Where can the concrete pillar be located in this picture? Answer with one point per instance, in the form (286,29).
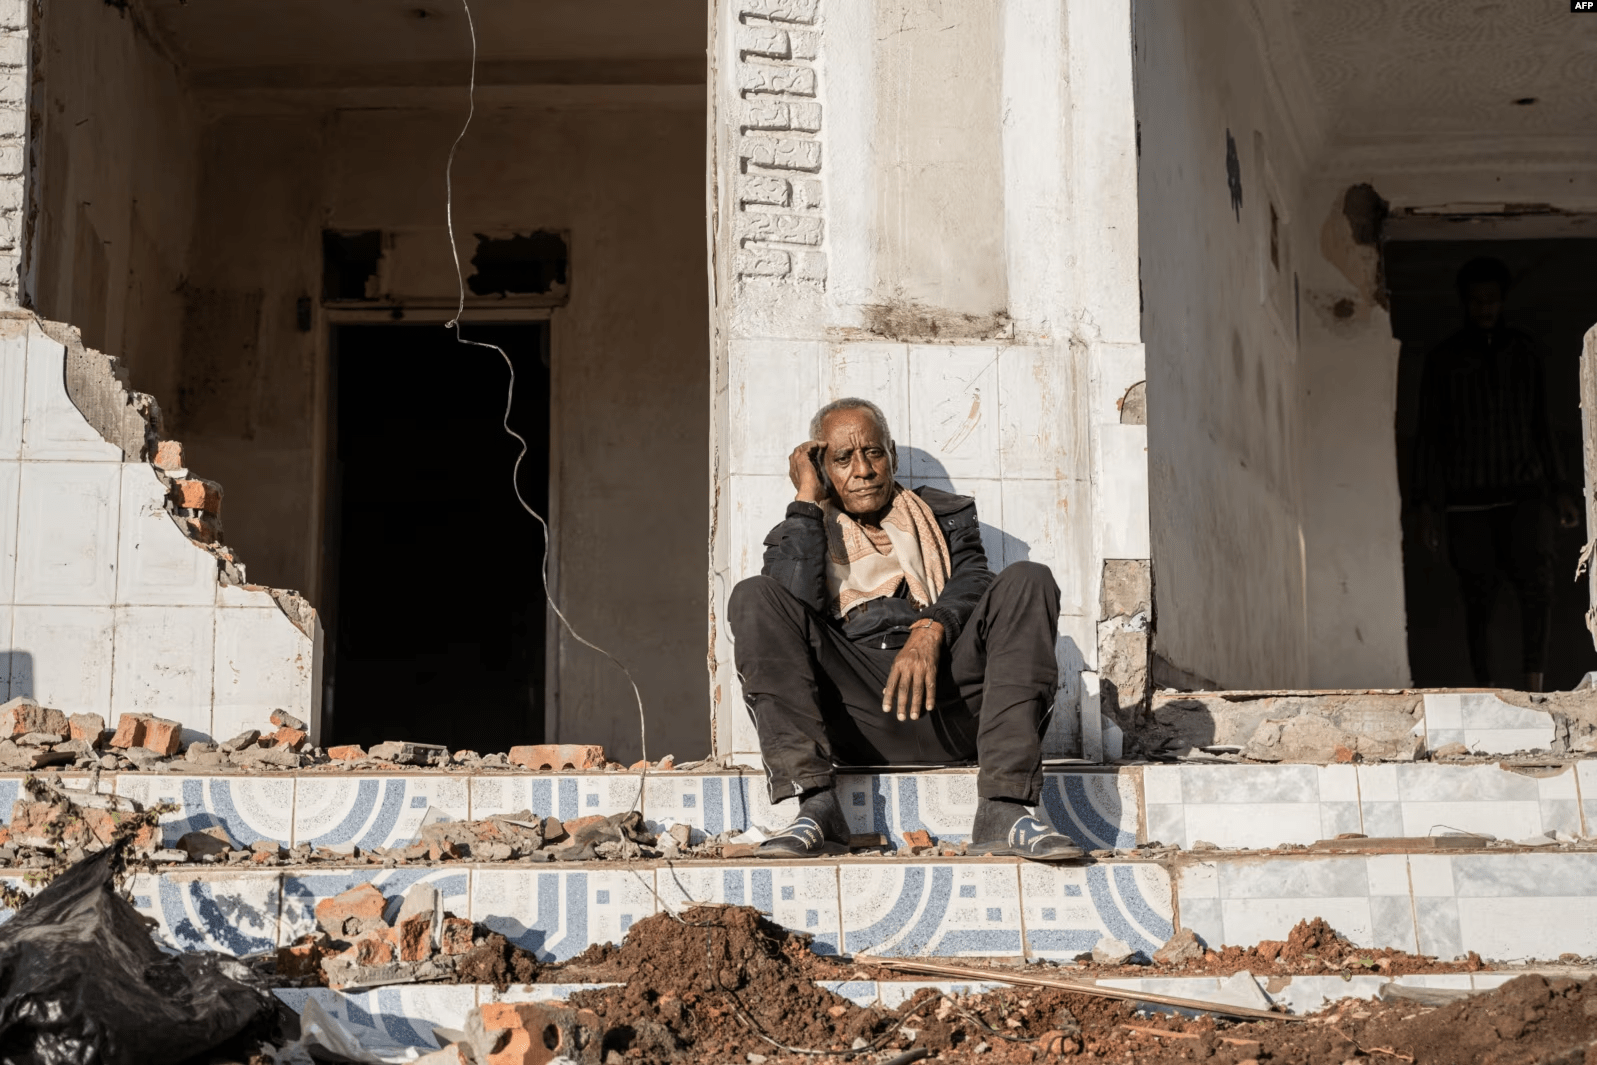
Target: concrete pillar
(933,206)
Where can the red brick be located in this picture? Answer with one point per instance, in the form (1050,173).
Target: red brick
(301,959)
(375,948)
(558,756)
(362,902)
(202,529)
(169,455)
(577,824)
(130,731)
(918,840)
(529,1025)
(162,736)
(351,752)
(440,849)
(21,716)
(291,738)
(414,936)
(457,935)
(195,494)
(90,727)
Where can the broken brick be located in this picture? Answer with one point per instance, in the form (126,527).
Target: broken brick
(530,1033)
(291,738)
(440,849)
(302,959)
(410,753)
(359,903)
(577,824)
(88,727)
(204,530)
(350,752)
(557,756)
(22,715)
(162,736)
(456,935)
(130,731)
(374,948)
(192,493)
(169,455)
(918,840)
(414,936)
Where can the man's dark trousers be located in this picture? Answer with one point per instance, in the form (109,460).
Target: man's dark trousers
(816,696)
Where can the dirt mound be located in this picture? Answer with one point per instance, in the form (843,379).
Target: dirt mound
(707,983)
(497,961)
(704,988)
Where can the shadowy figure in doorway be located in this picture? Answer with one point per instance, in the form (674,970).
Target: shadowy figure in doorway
(1487,472)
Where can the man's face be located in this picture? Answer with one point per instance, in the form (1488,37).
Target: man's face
(860,463)
(1484,303)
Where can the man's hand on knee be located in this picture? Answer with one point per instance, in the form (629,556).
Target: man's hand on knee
(912,684)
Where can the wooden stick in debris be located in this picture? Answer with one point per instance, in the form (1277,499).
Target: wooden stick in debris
(959,972)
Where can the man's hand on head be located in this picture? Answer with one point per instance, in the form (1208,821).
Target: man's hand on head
(803,470)
(912,685)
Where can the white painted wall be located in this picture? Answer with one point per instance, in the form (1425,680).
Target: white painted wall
(1225,382)
(932,206)
(105,606)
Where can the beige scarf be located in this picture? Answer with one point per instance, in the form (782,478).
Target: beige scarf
(864,564)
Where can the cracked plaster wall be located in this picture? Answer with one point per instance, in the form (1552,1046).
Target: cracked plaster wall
(106,606)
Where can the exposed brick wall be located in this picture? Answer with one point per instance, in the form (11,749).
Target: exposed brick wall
(779,227)
(13,142)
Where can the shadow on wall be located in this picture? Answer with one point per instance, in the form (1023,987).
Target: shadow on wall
(935,474)
(18,666)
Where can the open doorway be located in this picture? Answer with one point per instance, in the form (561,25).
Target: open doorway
(437,633)
(1550,299)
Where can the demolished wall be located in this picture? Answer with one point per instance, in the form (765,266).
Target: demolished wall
(116,592)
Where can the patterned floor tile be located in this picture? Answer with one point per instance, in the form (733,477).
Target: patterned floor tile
(235,912)
(712,804)
(558,914)
(907,909)
(391,1017)
(566,796)
(1069,908)
(1097,810)
(250,808)
(798,897)
(303,890)
(379,810)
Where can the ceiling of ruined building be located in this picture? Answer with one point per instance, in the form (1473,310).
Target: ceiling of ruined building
(310,42)
(1396,68)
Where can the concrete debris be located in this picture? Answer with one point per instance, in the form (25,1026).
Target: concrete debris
(556,756)
(410,753)
(1179,949)
(22,717)
(283,719)
(1111,952)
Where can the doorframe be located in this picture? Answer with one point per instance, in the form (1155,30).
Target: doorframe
(327,316)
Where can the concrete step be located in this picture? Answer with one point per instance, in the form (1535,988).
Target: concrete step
(1107,808)
(405,1016)
(1508,905)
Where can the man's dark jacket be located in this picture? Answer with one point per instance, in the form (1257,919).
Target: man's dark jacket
(795,555)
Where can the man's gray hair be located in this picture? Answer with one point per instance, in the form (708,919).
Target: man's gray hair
(850,403)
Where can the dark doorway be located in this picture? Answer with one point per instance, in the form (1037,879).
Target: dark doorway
(438,627)
(1552,299)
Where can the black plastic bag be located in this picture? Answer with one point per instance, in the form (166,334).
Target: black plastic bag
(83,983)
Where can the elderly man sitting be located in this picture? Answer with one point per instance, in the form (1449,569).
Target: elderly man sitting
(877,635)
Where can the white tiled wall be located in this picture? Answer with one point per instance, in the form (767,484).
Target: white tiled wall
(105,606)
(989,420)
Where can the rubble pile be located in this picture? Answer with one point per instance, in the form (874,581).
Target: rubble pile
(357,946)
(53,827)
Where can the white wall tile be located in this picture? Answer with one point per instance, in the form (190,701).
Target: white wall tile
(989,511)
(1388,874)
(1044,522)
(66,533)
(1120,491)
(5,651)
(61,656)
(1162,784)
(263,663)
(52,427)
(757,504)
(953,411)
(1339,783)
(1113,369)
(1040,435)
(156,563)
(774,390)
(875,371)
(163,665)
(13,374)
(1443,711)
(10,486)
(1431,875)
